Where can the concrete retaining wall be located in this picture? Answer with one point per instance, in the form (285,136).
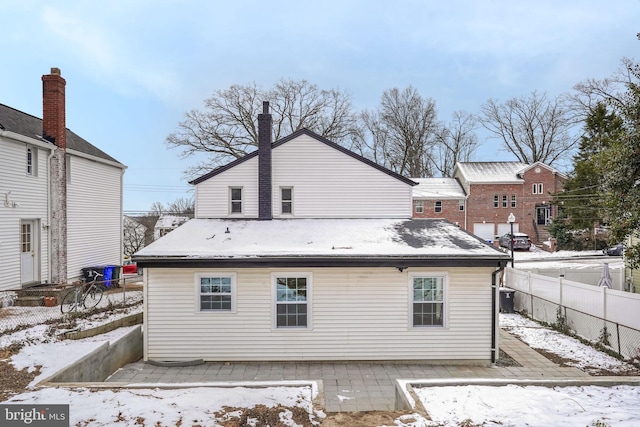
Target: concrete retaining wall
(103,361)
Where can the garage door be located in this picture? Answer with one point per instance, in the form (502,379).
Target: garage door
(484,231)
(506,228)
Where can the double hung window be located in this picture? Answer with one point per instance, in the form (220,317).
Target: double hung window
(292,300)
(235,202)
(286,196)
(428,304)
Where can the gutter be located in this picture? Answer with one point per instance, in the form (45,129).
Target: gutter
(314,261)
(494,315)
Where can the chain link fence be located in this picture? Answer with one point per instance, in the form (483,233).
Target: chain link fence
(24,308)
(615,337)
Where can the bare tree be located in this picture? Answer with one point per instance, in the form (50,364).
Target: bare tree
(613,91)
(133,236)
(456,143)
(182,206)
(227,128)
(401,133)
(157,209)
(533,128)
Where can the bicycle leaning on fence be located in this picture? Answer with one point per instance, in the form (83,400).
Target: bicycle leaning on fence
(87,295)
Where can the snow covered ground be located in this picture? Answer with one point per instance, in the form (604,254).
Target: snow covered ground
(510,405)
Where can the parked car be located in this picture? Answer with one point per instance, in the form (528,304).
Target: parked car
(616,250)
(520,241)
(130,267)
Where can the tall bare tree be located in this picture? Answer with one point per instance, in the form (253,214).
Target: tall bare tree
(227,127)
(456,143)
(184,206)
(133,236)
(401,133)
(533,128)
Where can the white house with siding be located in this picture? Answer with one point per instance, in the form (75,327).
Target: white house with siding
(93,207)
(304,250)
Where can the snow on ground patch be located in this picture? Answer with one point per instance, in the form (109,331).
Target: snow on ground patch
(578,354)
(532,406)
(188,406)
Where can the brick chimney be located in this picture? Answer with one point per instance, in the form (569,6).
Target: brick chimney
(264,163)
(54,129)
(53,108)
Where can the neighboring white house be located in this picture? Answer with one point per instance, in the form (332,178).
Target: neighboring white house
(92,209)
(167,223)
(304,250)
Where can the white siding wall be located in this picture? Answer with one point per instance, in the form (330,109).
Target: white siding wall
(94,215)
(326,184)
(357,314)
(30,193)
(212,195)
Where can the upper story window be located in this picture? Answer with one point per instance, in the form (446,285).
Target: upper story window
(513,200)
(286,199)
(460,205)
(31,161)
(538,188)
(496,201)
(428,299)
(235,203)
(504,201)
(216,292)
(437,206)
(419,206)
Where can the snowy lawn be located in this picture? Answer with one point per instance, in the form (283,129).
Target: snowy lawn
(573,351)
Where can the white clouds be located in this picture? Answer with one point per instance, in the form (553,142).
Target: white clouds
(102,48)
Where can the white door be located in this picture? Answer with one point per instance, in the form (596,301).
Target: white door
(27,251)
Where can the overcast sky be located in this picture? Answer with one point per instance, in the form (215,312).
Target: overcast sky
(133,68)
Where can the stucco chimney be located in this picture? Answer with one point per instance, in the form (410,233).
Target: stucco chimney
(54,129)
(53,108)
(264,163)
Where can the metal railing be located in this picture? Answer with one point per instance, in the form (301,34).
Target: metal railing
(24,308)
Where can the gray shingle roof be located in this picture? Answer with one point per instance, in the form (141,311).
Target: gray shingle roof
(30,126)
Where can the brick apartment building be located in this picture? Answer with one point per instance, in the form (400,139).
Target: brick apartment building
(488,192)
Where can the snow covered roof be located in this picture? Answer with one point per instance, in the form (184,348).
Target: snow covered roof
(492,172)
(437,188)
(320,242)
(171,221)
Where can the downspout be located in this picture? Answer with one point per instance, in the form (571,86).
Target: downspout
(121,214)
(494,311)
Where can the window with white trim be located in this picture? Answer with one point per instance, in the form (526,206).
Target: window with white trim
(286,196)
(537,188)
(437,206)
(235,200)
(216,292)
(292,294)
(504,200)
(31,161)
(496,201)
(427,301)
(460,205)
(513,200)
(419,206)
